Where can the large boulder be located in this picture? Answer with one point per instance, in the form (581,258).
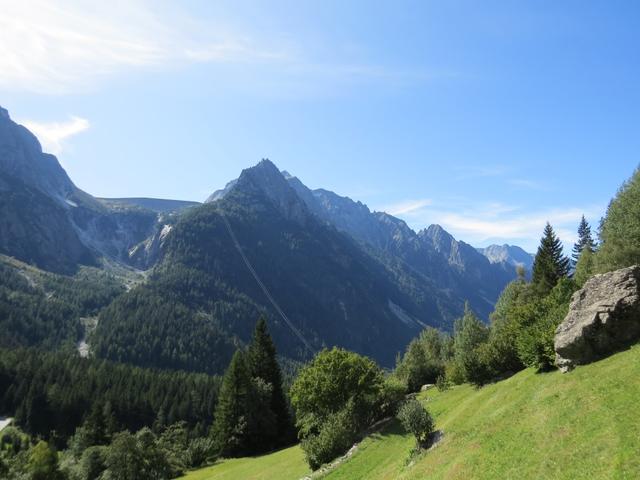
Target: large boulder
(604,317)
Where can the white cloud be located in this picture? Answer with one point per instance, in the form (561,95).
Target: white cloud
(407,207)
(53,135)
(59,46)
(65,46)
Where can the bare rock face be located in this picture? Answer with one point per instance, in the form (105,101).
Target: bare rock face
(604,317)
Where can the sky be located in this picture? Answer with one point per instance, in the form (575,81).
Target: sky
(489,118)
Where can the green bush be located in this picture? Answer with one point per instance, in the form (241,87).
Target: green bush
(391,396)
(424,359)
(415,419)
(442,383)
(333,379)
(335,396)
(336,436)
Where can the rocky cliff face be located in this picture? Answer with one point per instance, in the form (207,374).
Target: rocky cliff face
(50,222)
(604,317)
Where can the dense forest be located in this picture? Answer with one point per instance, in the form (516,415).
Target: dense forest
(43,309)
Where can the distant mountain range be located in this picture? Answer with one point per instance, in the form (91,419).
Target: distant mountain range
(509,254)
(323,268)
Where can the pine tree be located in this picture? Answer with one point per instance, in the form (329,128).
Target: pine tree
(550,265)
(263,364)
(585,240)
(230,430)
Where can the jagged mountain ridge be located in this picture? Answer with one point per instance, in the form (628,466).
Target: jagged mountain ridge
(508,254)
(48,221)
(432,254)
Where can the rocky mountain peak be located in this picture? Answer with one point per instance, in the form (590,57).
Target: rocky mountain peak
(441,240)
(4,113)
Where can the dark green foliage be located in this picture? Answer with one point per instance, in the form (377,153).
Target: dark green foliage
(56,391)
(550,264)
(424,359)
(333,379)
(392,395)
(233,427)
(470,334)
(263,365)
(505,328)
(585,241)
(335,396)
(136,457)
(585,267)
(417,420)
(335,436)
(43,463)
(43,309)
(151,328)
(620,229)
(538,324)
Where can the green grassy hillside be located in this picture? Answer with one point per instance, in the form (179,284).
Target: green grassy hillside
(585,424)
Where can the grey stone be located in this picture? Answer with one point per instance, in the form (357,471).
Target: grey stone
(604,317)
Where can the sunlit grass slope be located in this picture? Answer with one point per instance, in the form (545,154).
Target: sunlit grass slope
(581,425)
(282,465)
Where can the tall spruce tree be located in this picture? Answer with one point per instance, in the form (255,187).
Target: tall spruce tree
(263,364)
(550,265)
(230,430)
(585,240)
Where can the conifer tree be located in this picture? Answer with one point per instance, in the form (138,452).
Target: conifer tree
(550,265)
(620,229)
(585,240)
(263,364)
(230,430)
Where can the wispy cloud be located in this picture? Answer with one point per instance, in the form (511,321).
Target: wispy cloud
(62,46)
(407,207)
(58,46)
(54,135)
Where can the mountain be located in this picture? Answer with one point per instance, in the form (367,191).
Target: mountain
(259,249)
(432,253)
(47,221)
(323,268)
(509,255)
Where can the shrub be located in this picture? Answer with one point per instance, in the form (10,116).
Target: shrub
(442,383)
(415,419)
(423,361)
(336,436)
(336,395)
(200,451)
(333,379)
(453,372)
(392,395)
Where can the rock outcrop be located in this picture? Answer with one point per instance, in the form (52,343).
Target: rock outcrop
(604,317)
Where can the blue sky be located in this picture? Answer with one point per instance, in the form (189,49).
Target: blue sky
(486,117)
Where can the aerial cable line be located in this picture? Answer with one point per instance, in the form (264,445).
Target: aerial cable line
(263,287)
